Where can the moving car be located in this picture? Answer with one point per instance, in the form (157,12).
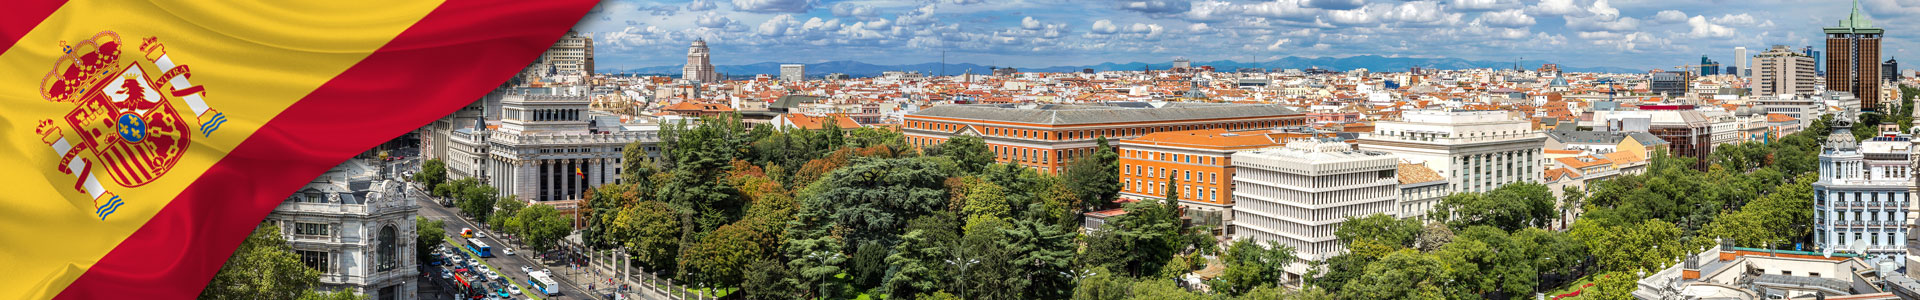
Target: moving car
(509,251)
(515,289)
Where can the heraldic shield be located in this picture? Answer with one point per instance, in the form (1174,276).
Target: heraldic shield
(123,115)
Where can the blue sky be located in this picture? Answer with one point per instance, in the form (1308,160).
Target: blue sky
(1038,33)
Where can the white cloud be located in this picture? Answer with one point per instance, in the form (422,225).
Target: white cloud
(1157,6)
(776,26)
(1029,23)
(1483,4)
(1557,7)
(1736,20)
(1670,17)
(711,20)
(1199,27)
(700,5)
(1335,4)
(1104,27)
(1284,9)
(773,6)
(1507,18)
(1277,43)
(844,9)
(1705,29)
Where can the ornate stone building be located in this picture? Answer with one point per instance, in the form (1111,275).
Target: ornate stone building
(355,224)
(544,147)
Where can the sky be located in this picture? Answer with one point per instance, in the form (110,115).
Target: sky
(1640,34)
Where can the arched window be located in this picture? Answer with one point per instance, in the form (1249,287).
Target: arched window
(387,260)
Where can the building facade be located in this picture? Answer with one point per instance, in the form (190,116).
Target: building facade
(1890,70)
(546,148)
(1476,151)
(793,73)
(1783,71)
(699,64)
(1299,196)
(1861,199)
(1048,136)
(355,224)
(1201,161)
(1853,59)
(571,55)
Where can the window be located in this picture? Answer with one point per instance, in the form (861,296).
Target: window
(318,260)
(315,229)
(388,260)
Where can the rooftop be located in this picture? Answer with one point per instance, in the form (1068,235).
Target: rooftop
(1097,113)
(1218,139)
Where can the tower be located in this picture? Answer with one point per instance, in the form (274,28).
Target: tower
(699,65)
(1853,58)
(1740,62)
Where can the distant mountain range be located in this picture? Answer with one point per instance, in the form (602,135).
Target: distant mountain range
(1370,62)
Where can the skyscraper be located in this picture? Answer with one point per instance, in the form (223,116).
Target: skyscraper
(1853,58)
(1818,63)
(1740,61)
(1890,70)
(699,66)
(1783,71)
(1708,67)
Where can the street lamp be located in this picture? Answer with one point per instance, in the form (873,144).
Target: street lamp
(963,272)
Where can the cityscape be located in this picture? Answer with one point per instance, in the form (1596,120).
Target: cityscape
(609,168)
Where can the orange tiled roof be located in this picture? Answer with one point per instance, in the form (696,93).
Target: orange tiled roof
(1578,163)
(1779,118)
(811,122)
(1218,139)
(1412,173)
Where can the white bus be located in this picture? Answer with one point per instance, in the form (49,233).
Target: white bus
(543,283)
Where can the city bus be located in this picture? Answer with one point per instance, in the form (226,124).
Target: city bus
(479,248)
(466,287)
(543,283)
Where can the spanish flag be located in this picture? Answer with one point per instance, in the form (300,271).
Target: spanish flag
(143,140)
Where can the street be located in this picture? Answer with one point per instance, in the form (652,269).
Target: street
(508,265)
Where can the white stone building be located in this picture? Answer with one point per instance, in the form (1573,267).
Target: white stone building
(1861,199)
(545,148)
(1476,151)
(1299,195)
(355,224)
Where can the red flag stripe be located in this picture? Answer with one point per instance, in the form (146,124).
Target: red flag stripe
(19,18)
(457,53)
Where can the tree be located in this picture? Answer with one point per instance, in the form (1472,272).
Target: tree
(1379,228)
(427,234)
(1615,286)
(1508,207)
(869,265)
(1042,256)
(1404,274)
(650,230)
(432,173)
(969,152)
(262,267)
(541,226)
(1141,241)
(1101,284)
(636,165)
(336,295)
(1095,178)
(720,257)
(473,198)
(506,217)
(1251,266)
(874,198)
(603,205)
(766,280)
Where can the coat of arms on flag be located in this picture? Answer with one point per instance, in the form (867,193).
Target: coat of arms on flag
(124,116)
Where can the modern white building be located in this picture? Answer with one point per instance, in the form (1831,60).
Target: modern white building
(355,224)
(1740,62)
(1861,199)
(793,73)
(1476,151)
(1300,194)
(545,147)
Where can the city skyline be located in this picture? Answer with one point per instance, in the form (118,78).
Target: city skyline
(1027,34)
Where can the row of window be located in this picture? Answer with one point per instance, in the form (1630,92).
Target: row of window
(1184,175)
(1187,192)
(1091,133)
